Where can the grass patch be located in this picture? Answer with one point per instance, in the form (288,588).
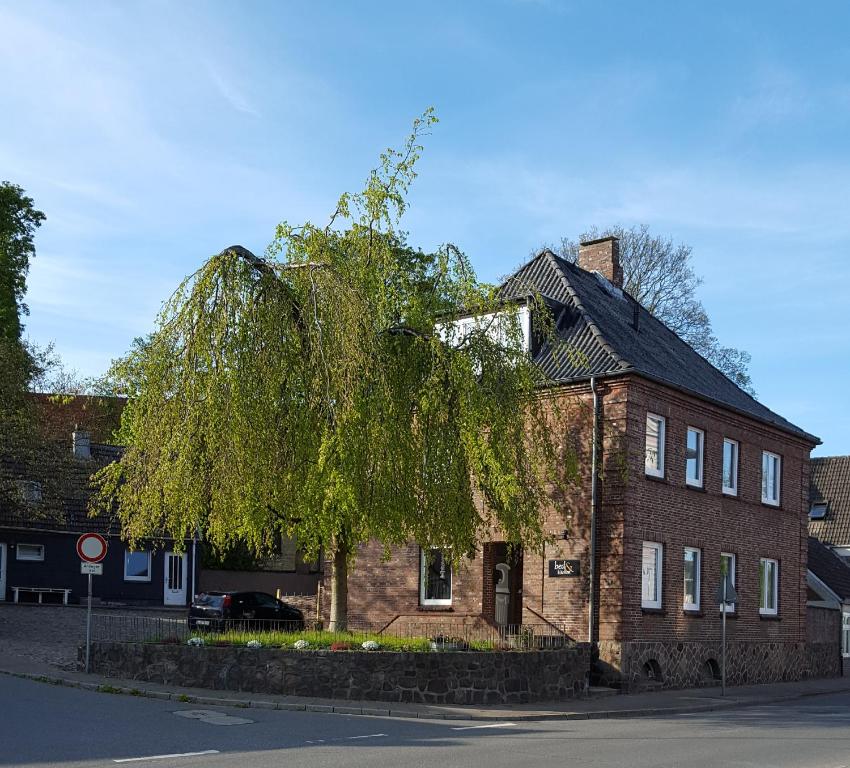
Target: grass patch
(108,689)
(321,640)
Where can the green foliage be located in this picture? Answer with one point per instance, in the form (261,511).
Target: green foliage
(322,640)
(325,392)
(18,221)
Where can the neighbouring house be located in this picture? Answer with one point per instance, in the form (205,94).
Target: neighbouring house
(695,478)
(47,510)
(829,514)
(829,601)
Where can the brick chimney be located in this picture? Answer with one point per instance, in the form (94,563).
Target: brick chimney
(603,256)
(81,441)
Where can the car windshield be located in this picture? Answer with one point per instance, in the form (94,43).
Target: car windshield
(210,601)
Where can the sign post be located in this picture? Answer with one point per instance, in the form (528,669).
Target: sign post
(727,596)
(91,548)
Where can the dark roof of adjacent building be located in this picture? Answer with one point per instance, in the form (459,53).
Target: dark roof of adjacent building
(830,568)
(43,486)
(603,331)
(830,483)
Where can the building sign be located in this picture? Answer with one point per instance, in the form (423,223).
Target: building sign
(559,568)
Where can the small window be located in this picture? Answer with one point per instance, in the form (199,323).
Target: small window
(845,635)
(771,477)
(818,510)
(692,579)
(435,584)
(730,466)
(137,566)
(694,457)
(654,462)
(29,552)
(768,587)
(728,565)
(651,575)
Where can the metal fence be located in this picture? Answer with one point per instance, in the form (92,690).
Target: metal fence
(436,635)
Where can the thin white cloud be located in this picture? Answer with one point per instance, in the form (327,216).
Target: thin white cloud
(228,89)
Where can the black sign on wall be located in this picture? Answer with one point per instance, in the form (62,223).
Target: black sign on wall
(560,568)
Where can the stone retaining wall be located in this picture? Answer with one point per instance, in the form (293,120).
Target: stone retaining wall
(669,664)
(463,677)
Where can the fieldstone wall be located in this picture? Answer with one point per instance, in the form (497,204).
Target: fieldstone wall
(670,664)
(446,677)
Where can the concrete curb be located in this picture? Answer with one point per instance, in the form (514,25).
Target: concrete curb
(344,709)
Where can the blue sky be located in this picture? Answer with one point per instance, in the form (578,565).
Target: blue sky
(154,134)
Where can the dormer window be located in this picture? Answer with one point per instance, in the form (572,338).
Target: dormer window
(495,324)
(30,491)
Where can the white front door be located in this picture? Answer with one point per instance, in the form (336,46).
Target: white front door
(175,579)
(2,571)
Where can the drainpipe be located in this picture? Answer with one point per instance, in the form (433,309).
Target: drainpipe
(593,508)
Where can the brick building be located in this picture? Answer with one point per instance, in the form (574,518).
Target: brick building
(695,478)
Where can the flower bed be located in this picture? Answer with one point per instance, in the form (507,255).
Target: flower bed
(335,641)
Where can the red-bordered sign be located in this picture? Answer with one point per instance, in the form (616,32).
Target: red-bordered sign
(91,547)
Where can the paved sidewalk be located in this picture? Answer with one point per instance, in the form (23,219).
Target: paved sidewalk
(621,706)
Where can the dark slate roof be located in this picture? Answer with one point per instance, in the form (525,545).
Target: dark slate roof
(830,482)
(48,462)
(599,335)
(829,568)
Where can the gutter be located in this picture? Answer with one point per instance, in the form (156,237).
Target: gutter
(594,503)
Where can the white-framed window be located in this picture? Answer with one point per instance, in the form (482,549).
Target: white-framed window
(845,634)
(435,581)
(691,579)
(771,477)
(655,429)
(730,466)
(137,565)
(694,457)
(768,587)
(29,552)
(728,563)
(651,567)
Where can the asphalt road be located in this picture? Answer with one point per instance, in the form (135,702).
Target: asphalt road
(41,724)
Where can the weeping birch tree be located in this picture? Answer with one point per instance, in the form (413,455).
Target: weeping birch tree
(327,391)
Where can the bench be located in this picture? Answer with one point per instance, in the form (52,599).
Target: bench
(41,591)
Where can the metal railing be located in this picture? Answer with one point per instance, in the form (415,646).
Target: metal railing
(413,635)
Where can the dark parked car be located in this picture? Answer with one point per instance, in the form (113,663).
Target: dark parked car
(237,610)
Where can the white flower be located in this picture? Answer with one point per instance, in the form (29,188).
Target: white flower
(300,645)
(254,644)
(370,645)
(195,641)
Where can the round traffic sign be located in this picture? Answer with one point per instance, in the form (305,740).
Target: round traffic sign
(91,547)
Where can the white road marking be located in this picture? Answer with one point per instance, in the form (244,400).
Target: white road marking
(347,738)
(166,757)
(491,725)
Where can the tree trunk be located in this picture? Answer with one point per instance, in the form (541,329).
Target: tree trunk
(339,590)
